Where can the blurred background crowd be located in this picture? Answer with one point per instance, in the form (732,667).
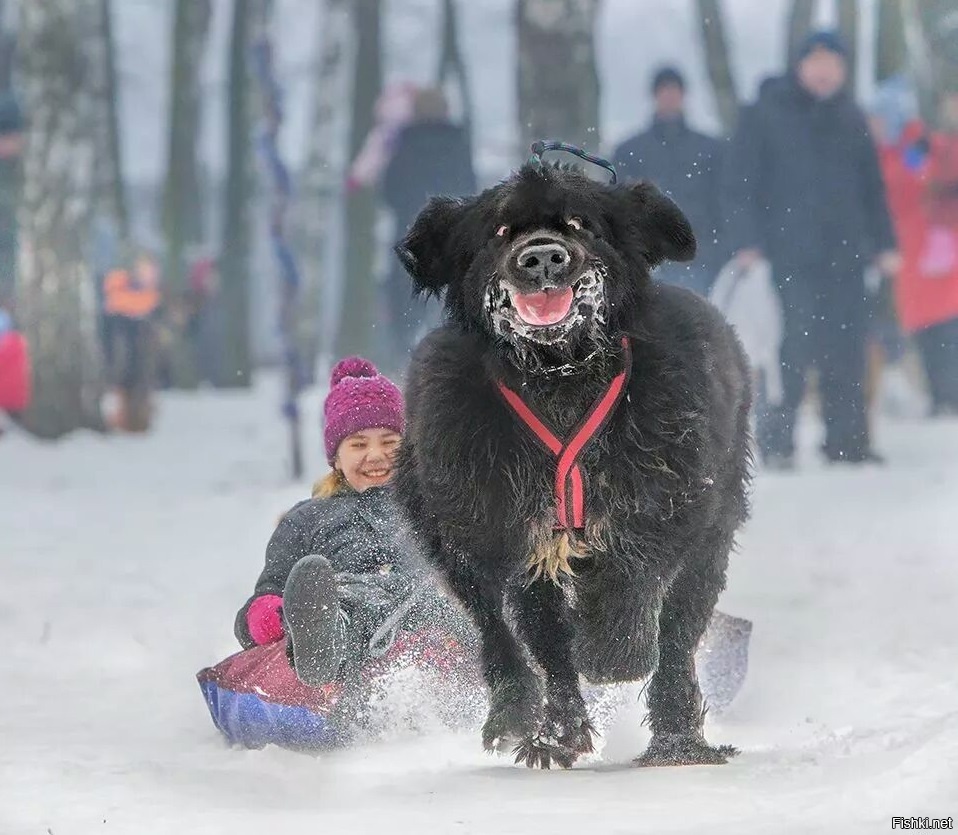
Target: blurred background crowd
(244,217)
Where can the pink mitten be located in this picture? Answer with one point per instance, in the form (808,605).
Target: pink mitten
(263,619)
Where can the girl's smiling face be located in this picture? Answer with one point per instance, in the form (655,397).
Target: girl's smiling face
(366,458)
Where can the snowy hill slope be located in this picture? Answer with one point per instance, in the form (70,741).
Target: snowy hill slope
(123,561)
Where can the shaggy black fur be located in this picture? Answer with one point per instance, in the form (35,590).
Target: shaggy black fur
(667,478)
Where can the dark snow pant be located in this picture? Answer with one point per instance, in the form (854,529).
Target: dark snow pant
(939,353)
(126,351)
(825,328)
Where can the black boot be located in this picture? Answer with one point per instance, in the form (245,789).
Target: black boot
(313,621)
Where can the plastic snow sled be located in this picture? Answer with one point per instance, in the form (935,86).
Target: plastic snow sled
(255,698)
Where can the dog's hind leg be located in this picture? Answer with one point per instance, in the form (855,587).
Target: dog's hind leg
(674,699)
(545,624)
(515,700)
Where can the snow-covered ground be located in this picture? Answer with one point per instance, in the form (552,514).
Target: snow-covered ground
(123,560)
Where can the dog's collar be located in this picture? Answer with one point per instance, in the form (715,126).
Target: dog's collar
(570,479)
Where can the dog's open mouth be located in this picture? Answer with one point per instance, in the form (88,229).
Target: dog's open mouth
(549,315)
(548,307)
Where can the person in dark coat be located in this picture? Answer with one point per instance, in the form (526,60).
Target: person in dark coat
(685,164)
(804,190)
(342,572)
(431,157)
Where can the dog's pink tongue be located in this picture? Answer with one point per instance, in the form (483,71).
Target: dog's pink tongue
(545,308)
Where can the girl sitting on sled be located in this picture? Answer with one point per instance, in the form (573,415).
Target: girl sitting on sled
(342,573)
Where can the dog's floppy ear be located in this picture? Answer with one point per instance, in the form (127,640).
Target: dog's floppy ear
(664,229)
(422,251)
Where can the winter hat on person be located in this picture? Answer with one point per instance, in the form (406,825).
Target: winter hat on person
(359,398)
(667,75)
(823,39)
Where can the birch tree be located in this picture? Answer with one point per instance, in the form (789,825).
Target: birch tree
(61,51)
(317,197)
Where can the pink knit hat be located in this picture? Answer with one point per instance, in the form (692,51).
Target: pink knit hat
(359,398)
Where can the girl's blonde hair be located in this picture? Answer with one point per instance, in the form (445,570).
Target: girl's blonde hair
(331,484)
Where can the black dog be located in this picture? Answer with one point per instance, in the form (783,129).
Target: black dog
(576,454)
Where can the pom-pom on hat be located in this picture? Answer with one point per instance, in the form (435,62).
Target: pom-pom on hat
(359,398)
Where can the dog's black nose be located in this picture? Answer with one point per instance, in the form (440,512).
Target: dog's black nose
(543,262)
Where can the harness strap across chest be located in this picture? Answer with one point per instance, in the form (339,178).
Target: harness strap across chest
(570,477)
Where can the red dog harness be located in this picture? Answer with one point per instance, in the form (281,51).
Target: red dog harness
(570,479)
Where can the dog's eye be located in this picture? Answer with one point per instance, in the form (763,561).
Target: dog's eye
(575,223)
(501,231)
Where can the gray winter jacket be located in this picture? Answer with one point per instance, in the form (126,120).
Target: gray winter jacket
(379,569)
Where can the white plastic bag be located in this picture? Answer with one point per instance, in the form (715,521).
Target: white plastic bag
(751,303)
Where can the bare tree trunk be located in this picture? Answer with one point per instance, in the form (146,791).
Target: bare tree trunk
(920,63)
(8,44)
(359,294)
(848,26)
(940,24)
(321,179)
(234,264)
(10,163)
(718,63)
(892,56)
(278,183)
(799,25)
(181,210)
(111,168)
(182,203)
(558,80)
(931,35)
(452,64)
(60,58)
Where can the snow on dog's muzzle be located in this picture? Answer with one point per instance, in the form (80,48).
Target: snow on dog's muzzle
(551,315)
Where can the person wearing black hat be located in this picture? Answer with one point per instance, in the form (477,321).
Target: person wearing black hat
(685,165)
(803,189)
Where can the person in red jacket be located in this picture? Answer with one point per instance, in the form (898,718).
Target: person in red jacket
(921,174)
(15,388)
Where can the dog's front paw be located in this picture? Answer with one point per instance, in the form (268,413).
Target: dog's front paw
(515,713)
(684,749)
(563,737)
